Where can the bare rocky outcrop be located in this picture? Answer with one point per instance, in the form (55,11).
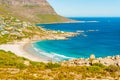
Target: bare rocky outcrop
(107,61)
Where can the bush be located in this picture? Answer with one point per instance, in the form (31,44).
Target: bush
(37,64)
(112,68)
(93,68)
(21,66)
(52,65)
(99,65)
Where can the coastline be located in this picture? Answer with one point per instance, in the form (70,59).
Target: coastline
(74,21)
(19,48)
(107,61)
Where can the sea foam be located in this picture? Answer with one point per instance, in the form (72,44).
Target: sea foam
(51,55)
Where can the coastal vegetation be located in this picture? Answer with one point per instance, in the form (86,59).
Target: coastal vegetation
(50,18)
(12,29)
(14,67)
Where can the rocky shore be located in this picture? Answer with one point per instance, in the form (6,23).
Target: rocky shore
(109,60)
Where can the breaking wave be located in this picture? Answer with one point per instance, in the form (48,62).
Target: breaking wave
(51,56)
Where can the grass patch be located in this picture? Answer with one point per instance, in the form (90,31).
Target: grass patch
(29,6)
(49,18)
(52,65)
(8,59)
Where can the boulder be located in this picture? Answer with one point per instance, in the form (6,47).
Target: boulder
(117,57)
(92,56)
(107,62)
(95,61)
(27,63)
(118,64)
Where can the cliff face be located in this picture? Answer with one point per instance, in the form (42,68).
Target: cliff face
(36,11)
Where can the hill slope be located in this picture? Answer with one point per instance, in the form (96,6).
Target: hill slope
(36,11)
(13,67)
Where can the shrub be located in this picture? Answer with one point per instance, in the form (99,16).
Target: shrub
(21,66)
(112,68)
(52,65)
(93,68)
(37,64)
(99,65)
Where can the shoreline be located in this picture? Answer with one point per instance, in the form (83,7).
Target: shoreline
(59,22)
(29,48)
(19,49)
(107,61)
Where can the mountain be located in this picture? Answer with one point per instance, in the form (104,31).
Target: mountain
(35,11)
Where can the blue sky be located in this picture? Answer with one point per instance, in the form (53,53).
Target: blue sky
(87,8)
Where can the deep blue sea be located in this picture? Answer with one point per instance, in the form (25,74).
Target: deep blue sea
(99,36)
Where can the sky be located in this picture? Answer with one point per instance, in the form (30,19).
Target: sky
(86,8)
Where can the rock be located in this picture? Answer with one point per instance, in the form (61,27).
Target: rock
(92,56)
(117,61)
(13,70)
(87,63)
(35,75)
(107,62)
(72,62)
(27,63)
(108,57)
(81,63)
(95,61)
(113,57)
(117,57)
(118,64)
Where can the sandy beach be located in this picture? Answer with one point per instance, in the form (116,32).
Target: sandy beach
(18,48)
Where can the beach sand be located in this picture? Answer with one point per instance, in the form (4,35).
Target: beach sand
(19,48)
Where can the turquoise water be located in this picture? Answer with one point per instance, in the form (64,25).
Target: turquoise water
(99,36)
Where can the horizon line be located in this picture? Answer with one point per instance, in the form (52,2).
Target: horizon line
(93,16)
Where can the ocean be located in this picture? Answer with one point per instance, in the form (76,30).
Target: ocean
(98,36)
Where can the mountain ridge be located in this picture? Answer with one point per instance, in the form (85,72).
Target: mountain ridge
(35,11)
